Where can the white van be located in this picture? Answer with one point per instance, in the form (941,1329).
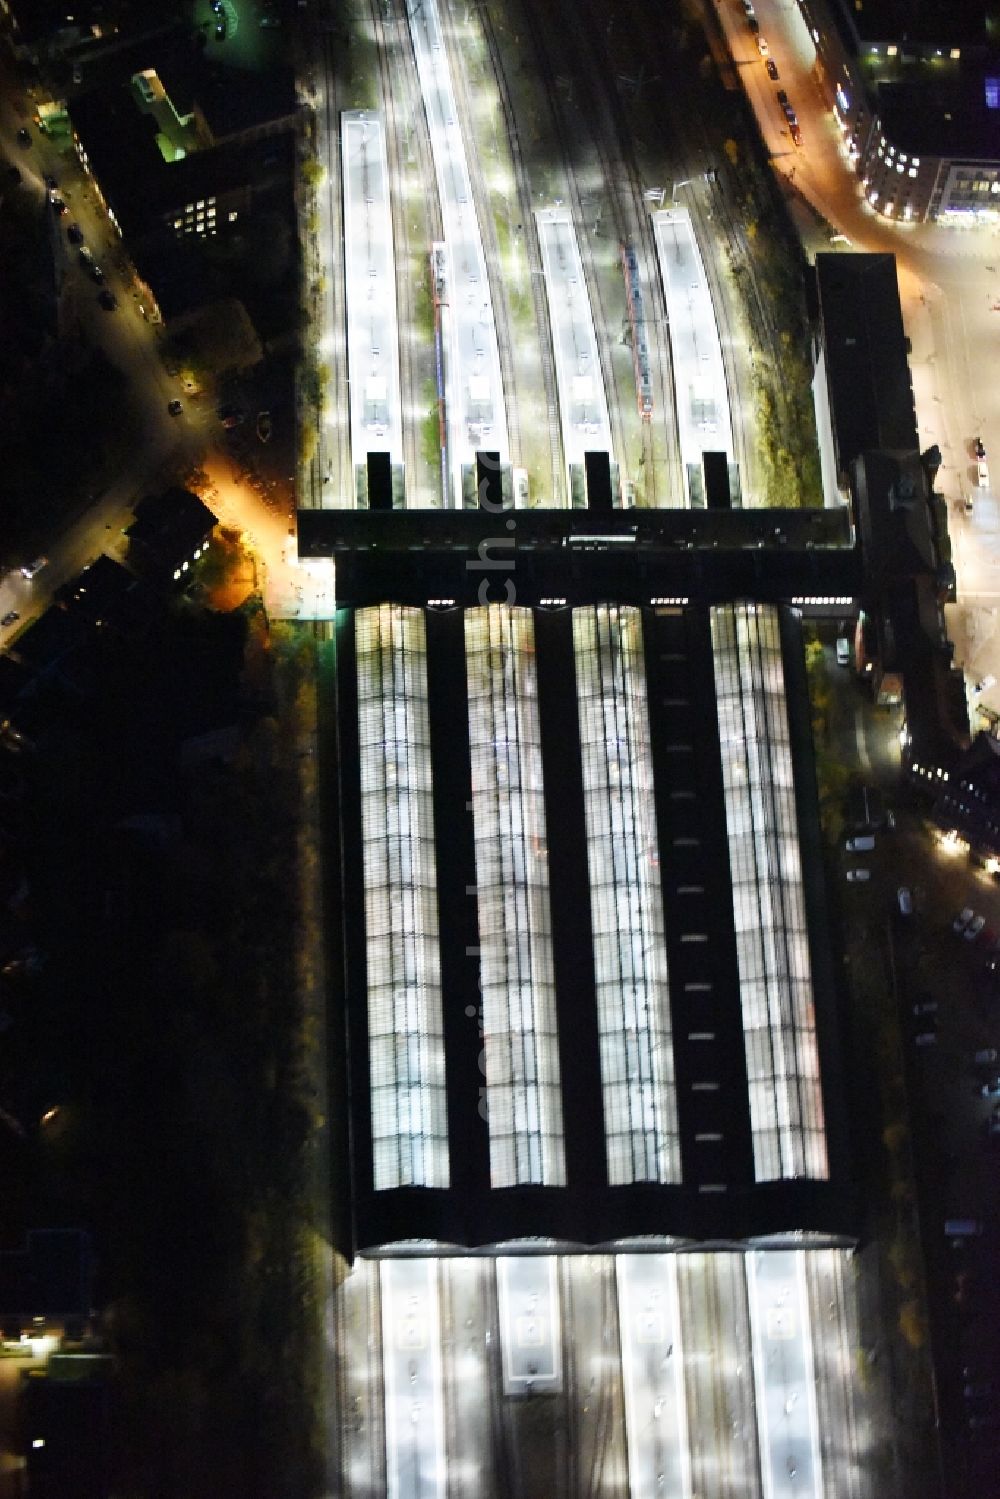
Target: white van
(843,651)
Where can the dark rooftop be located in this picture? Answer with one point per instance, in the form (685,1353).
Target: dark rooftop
(866,355)
(930,111)
(930,23)
(169,526)
(48,1277)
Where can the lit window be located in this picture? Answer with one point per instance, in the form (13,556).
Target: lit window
(233,215)
(211,200)
(992,86)
(178,223)
(891,50)
(955,54)
(200,203)
(913,171)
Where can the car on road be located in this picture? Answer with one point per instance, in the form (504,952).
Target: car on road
(57,204)
(904,898)
(175,407)
(990,1089)
(220,29)
(24,136)
(85,257)
(974,928)
(979,448)
(96,274)
(762,46)
(985,1056)
(962,919)
(982,474)
(782,98)
(843,651)
(858,876)
(772,69)
(108,300)
(31,569)
(862,844)
(796,132)
(50,183)
(10,617)
(925,1007)
(753,24)
(74,234)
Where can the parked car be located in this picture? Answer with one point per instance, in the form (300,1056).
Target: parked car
(772,68)
(982,474)
(979,448)
(58,205)
(990,1089)
(974,928)
(762,46)
(925,1007)
(857,876)
(863,843)
(781,97)
(74,234)
(796,133)
(10,617)
(843,651)
(985,1056)
(108,300)
(962,919)
(904,898)
(175,407)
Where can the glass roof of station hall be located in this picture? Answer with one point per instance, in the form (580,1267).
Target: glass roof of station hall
(529,1035)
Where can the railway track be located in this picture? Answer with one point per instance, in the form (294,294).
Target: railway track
(406,256)
(534,257)
(487,229)
(332,470)
(548,43)
(625,195)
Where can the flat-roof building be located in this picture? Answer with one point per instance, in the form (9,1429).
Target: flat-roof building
(916,93)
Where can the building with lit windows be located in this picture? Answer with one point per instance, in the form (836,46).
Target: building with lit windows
(180,152)
(916,93)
